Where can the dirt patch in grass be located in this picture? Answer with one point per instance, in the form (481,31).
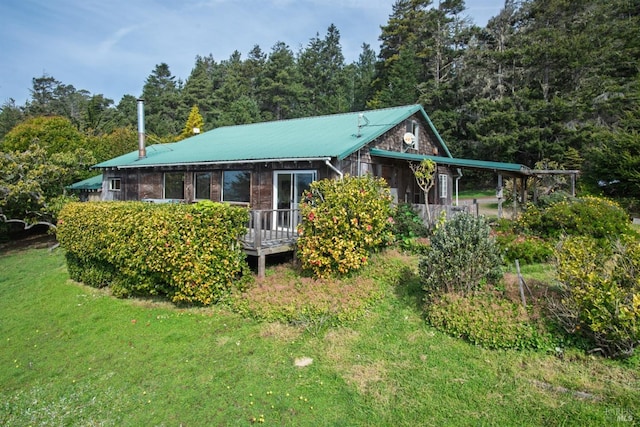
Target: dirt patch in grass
(365,377)
(280,331)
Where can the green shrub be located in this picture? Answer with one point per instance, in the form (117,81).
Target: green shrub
(601,292)
(407,222)
(343,222)
(462,257)
(486,320)
(526,249)
(409,229)
(188,252)
(587,216)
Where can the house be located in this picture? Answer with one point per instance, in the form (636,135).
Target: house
(266,166)
(88,190)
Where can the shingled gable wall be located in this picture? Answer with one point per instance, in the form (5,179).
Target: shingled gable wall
(397,172)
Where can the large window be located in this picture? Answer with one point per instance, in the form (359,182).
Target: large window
(236,186)
(174,185)
(202,185)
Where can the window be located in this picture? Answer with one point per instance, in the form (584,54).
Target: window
(174,185)
(114,184)
(202,185)
(443,181)
(236,186)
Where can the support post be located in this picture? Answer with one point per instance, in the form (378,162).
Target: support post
(499,195)
(261,265)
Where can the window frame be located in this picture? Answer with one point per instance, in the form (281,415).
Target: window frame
(113,181)
(443,185)
(223,191)
(164,185)
(195,185)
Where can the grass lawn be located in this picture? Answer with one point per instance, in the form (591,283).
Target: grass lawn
(73,355)
(476,194)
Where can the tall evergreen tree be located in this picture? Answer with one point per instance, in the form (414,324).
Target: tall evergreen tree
(321,66)
(161,94)
(199,90)
(280,89)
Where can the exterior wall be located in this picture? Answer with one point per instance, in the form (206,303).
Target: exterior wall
(397,172)
(148,184)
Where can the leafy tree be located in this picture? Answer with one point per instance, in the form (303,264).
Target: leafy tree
(32,181)
(359,78)
(280,88)
(241,111)
(199,89)
(322,66)
(53,133)
(119,141)
(425,173)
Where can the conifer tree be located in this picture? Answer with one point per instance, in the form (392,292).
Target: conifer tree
(194,124)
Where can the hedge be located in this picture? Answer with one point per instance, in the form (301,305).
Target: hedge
(189,253)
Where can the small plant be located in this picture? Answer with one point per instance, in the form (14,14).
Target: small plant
(463,256)
(526,249)
(601,293)
(409,228)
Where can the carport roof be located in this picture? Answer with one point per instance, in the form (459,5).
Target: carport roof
(514,169)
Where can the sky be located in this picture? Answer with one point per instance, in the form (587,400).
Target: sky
(110,47)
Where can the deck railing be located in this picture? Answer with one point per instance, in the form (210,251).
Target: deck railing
(271,227)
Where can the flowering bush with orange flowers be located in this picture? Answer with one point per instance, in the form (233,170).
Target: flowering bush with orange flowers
(343,222)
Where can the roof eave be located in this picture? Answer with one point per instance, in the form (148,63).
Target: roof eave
(215,162)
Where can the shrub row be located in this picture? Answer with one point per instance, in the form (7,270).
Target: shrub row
(189,253)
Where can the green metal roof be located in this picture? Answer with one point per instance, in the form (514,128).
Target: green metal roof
(319,137)
(92,184)
(509,168)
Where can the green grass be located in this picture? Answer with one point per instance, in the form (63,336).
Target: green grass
(476,194)
(72,355)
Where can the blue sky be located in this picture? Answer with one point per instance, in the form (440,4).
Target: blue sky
(111,46)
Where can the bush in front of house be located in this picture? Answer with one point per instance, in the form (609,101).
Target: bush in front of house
(343,222)
(463,257)
(600,292)
(525,248)
(409,229)
(586,216)
(189,253)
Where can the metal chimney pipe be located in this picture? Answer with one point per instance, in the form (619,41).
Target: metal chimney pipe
(142,150)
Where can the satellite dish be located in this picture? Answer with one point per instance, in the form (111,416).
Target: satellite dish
(409,138)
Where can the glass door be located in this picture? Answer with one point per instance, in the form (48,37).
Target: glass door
(289,186)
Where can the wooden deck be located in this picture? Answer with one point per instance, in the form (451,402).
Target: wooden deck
(270,232)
